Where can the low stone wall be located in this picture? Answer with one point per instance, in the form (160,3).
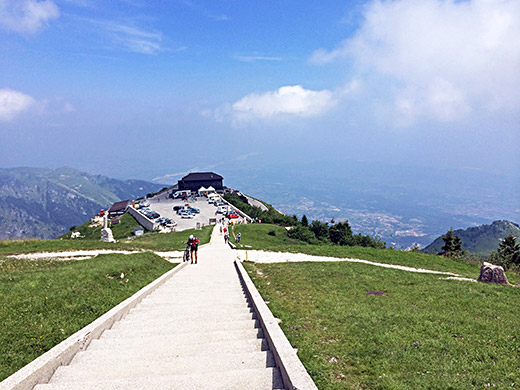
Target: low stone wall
(144,221)
(294,374)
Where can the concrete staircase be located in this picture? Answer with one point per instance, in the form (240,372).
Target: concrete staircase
(195,331)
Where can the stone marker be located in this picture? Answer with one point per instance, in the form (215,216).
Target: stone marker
(106,232)
(490,273)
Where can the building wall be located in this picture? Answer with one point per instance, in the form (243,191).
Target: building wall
(195,185)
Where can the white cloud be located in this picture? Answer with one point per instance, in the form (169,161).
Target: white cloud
(27,16)
(13,103)
(286,101)
(446,57)
(129,37)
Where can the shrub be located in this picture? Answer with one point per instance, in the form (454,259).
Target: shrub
(302,233)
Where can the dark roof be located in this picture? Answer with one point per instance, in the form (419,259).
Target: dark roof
(121,205)
(195,176)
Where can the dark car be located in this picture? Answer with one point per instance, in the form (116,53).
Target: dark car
(177,208)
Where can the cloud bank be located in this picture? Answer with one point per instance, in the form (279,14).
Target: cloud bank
(292,101)
(27,16)
(12,103)
(444,58)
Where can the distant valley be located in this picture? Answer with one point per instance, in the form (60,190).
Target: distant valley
(403,205)
(44,203)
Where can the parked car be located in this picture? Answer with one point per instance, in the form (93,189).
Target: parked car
(187,215)
(170,223)
(194,210)
(177,208)
(232,215)
(155,215)
(144,203)
(222,209)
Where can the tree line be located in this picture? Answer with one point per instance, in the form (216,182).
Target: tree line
(315,232)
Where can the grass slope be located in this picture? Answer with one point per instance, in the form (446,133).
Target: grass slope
(256,236)
(121,230)
(422,333)
(44,302)
(150,241)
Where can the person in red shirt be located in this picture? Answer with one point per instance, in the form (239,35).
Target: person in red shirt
(193,242)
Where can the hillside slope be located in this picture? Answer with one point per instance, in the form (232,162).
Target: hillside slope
(44,203)
(481,240)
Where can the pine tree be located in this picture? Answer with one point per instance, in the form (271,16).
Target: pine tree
(508,253)
(452,245)
(341,234)
(305,221)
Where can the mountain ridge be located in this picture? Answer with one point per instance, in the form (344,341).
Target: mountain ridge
(44,202)
(480,240)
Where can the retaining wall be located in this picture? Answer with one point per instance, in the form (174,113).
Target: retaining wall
(144,221)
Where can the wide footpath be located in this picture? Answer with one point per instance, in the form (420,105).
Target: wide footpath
(195,331)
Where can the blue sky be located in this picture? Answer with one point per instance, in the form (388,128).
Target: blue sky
(150,89)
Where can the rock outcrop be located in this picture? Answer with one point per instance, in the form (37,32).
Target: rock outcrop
(490,273)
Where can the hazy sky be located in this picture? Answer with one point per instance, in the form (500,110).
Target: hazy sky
(147,89)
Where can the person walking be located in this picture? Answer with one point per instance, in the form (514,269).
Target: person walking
(226,238)
(193,243)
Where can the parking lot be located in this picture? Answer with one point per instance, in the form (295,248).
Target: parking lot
(164,206)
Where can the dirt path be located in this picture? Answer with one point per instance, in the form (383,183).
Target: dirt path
(282,257)
(87,254)
(252,255)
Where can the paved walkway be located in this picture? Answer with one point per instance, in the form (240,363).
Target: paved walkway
(195,331)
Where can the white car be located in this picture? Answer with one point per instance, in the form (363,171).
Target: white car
(222,209)
(187,215)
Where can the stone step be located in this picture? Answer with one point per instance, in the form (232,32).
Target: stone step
(195,334)
(178,293)
(194,299)
(209,316)
(160,344)
(123,358)
(246,379)
(128,366)
(187,326)
(189,306)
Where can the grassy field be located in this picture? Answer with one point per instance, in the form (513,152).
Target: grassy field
(44,302)
(256,236)
(150,241)
(363,327)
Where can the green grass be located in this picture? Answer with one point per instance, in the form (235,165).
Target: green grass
(150,241)
(423,333)
(44,302)
(121,230)
(255,236)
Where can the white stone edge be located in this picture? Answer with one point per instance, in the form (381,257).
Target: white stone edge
(294,374)
(42,368)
